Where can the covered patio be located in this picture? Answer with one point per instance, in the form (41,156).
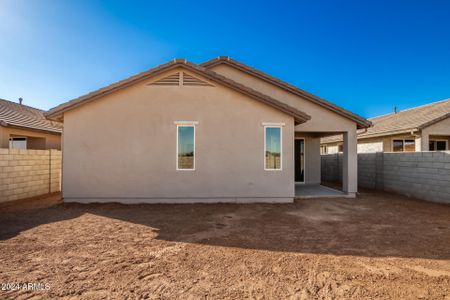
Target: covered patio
(307,161)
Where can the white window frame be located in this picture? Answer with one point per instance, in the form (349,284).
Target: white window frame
(273,125)
(439,140)
(11,140)
(186,124)
(402,139)
(304,167)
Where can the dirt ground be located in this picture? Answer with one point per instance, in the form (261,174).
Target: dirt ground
(376,246)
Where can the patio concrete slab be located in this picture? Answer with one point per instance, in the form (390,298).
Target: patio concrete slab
(317,191)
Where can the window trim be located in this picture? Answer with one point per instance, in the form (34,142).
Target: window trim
(281,146)
(185,124)
(403,148)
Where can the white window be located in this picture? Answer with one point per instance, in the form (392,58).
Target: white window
(17,143)
(273,148)
(186,146)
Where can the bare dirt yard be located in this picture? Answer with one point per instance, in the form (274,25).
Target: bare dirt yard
(377,246)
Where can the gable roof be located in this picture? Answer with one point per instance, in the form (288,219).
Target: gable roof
(360,121)
(413,118)
(404,121)
(58,111)
(26,117)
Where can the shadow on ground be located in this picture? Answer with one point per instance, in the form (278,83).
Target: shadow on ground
(373,225)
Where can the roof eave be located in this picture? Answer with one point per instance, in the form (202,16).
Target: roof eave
(58,111)
(360,121)
(434,121)
(8,125)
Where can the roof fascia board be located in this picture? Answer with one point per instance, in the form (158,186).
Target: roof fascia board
(299,116)
(434,121)
(7,125)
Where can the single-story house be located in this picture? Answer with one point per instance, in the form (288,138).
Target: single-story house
(25,127)
(423,128)
(182,132)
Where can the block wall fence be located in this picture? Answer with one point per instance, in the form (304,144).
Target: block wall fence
(29,173)
(423,175)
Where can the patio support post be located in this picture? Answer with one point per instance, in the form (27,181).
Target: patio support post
(424,142)
(350,163)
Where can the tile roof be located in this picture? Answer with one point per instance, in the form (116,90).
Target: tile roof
(403,121)
(360,121)
(58,111)
(23,116)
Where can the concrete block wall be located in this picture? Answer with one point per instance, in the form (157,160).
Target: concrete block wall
(331,167)
(423,175)
(367,170)
(29,173)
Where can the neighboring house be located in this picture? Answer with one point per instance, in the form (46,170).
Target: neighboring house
(216,132)
(25,127)
(423,128)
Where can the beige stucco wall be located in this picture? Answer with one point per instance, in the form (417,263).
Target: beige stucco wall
(123,147)
(387,140)
(439,130)
(322,121)
(312,157)
(421,138)
(36,139)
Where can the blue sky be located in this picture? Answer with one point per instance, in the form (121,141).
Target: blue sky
(366,56)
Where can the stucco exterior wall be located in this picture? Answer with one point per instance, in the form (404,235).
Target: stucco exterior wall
(123,148)
(37,140)
(371,145)
(322,120)
(312,157)
(440,130)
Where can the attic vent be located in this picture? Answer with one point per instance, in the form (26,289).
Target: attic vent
(191,80)
(181,78)
(169,80)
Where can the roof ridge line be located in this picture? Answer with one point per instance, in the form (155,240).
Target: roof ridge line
(423,105)
(18,104)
